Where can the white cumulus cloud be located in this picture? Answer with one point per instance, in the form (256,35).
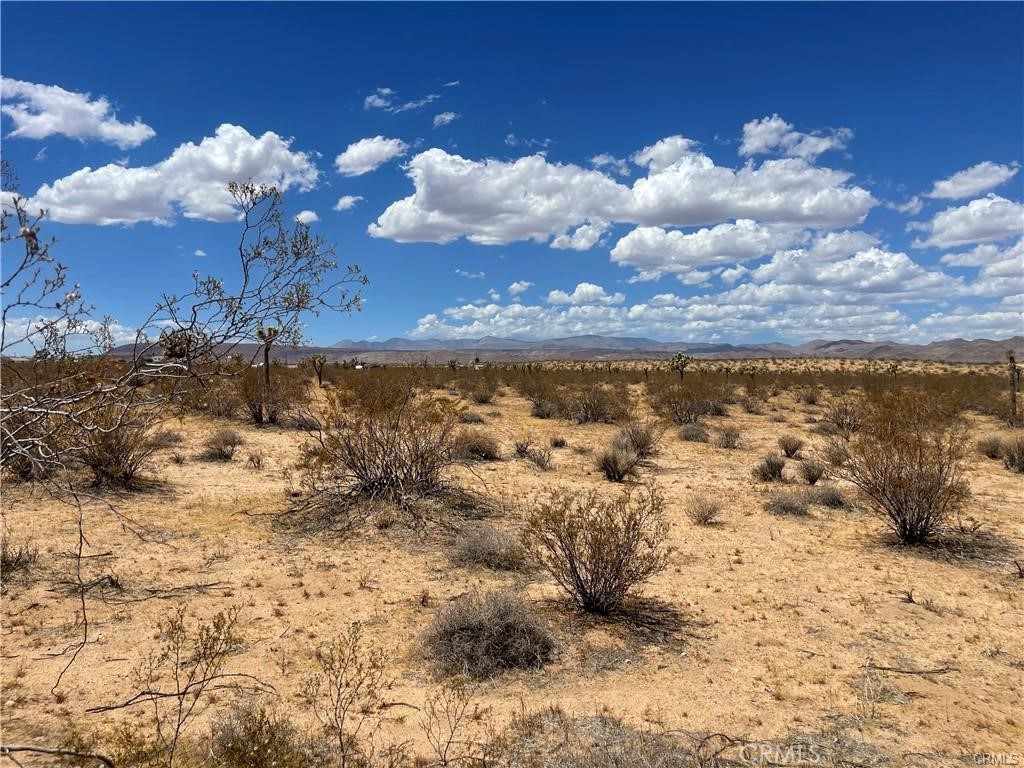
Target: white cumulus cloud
(445,118)
(306,217)
(193,181)
(974,180)
(518,287)
(347,202)
(983,220)
(775,135)
(368,155)
(587,294)
(39,111)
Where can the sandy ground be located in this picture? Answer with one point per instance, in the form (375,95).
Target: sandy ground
(782,615)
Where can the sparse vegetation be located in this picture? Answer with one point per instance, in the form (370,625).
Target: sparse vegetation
(1012,453)
(476,446)
(811,470)
(703,510)
(618,463)
(640,437)
(490,547)
(693,433)
(221,445)
(769,469)
(726,437)
(791,445)
(787,503)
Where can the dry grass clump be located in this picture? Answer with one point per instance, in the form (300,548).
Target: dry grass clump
(521,447)
(471,417)
(599,550)
(791,445)
(693,433)
(487,546)
(251,735)
(1012,453)
(769,469)
(991,447)
(483,635)
(473,445)
(618,464)
(703,510)
(907,459)
(787,503)
(726,437)
(164,438)
(15,561)
(827,496)
(559,442)
(640,437)
(811,470)
(221,445)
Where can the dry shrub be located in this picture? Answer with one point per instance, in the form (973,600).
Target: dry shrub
(642,437)
(471,417)
(545,409)
(251,735)
(769,469)
(267,405)
(558,442)
(991,447)
(487,546)
(791,445)
(520,448)
(846,414)
(726,437)
(827,496)
(15,561)
(116,446)
(907,459)
(618,463)
(540,458)
(473,445)
(480,389)
(787,503)
(597,404)
(703,510)
(811,470)
(808,395)
(599,550)
(164,438)
(687,403)
(693,433)
(482,635)
(382,445)
(221,445)
(1012,453)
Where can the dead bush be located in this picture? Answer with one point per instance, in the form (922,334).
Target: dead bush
(791,445)
(15,561)
(687,403)
(221,445)
(811,470)
(597,404)
(618,464)
(1012,453)
(787,503)
(266,404)
(599,550)
(907,459)
(471,417)
(693,433)
(827,496)
(164,438)
(769,469)
(703,510)
(846,415)
(541,458)
(521,447)
(480,389)
(726,437)
(487,546)
(116,447)
(641,437)
(558,442)
(482,635)
(473,445)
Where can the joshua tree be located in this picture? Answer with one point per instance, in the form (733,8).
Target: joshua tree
(268,335)
(680,363)
(318,362)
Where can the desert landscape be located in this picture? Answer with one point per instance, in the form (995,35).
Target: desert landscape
(779,615)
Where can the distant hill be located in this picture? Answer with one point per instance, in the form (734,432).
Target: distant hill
(398,350)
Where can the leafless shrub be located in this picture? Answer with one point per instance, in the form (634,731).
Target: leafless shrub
(15,561)
(345,694)
(703,510)
(791,445)
(487,546)
(255,460)
(693,433)
(471,417)
(811,470)
(178,458)
(253,735)
(450,720)
(221,445)
(164,438)
(726,437)
(545,409)
(597,403)
(558,442)
(991,447)
(473,445)
(753,406)
(907,460)
(540,458)
(769,469)
(687,403)
(598,550)
(641,437)
(787,503)
(521,448)
(827,496)
(846,414)
(808,395)
(483,635)
(618,463)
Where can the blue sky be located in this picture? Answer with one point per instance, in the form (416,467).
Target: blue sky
(702,172)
